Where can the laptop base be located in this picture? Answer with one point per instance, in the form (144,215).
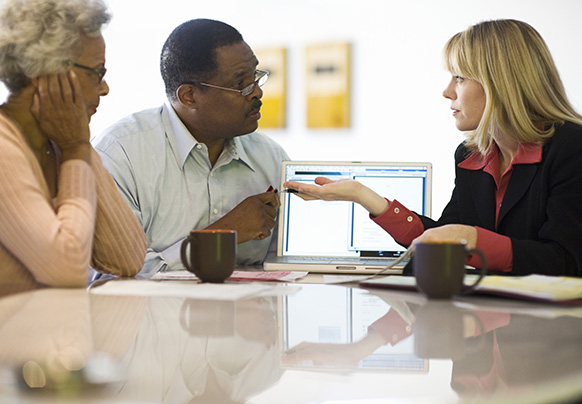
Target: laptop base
(291,263)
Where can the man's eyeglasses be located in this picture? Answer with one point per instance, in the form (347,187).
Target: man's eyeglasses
(261,77)
(99,72)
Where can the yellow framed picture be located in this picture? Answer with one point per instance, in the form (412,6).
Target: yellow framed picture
(328,85)
(274,109)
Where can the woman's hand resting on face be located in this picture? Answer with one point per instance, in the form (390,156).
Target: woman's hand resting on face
(60,111)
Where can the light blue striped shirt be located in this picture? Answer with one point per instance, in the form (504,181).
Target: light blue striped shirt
(166,177)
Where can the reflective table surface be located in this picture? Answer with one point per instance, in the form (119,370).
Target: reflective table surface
(311,343)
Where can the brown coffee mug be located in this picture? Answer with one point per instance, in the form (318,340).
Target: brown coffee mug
(439,269)
(212,254)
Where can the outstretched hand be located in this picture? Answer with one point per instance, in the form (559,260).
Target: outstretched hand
(253,218)
(344,189)
(327,189)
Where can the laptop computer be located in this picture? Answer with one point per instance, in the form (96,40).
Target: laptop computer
(338,236)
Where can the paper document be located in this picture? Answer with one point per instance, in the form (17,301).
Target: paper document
(550,288)
(559,289)
(209,291)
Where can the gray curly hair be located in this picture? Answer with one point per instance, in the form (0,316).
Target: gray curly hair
(38,36)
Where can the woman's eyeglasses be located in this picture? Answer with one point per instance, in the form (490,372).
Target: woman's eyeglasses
(99,72)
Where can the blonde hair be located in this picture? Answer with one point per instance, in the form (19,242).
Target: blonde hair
(38,36)
(525,97)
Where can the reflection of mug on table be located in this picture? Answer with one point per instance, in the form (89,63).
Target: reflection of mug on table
(212,254)
(439,269)
(439,330)
(208,317)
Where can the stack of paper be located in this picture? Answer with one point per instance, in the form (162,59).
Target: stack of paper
(559,289)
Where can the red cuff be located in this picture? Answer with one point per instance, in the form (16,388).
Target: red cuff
(402,224)
(488,320)
(497,250)
(392,327)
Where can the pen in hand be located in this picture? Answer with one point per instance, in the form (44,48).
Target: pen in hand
(289,190)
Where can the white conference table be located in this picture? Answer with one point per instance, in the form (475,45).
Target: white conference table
(129,341)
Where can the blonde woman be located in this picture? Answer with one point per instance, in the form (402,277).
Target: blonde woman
(60,211)
(518,185)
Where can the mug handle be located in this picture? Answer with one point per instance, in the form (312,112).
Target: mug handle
(183,254)
(184,313)
(470,288)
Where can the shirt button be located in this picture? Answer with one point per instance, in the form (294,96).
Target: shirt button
(199,146)
(409,218)
(396,210)
(215,211)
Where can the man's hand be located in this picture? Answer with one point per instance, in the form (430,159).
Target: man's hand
(253,218)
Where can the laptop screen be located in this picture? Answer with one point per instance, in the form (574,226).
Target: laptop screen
(344,229)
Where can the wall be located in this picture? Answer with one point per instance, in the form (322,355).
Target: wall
(399,113)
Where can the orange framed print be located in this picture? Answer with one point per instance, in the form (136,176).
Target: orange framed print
(274,109)
(328,85)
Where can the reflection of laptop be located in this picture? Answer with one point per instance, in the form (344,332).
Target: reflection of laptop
(339,237)
(326,317)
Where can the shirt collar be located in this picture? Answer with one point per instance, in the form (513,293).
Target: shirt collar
(527,153)
(182,141)
(236,148)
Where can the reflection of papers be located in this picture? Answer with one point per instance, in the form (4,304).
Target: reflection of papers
(343,278)
(520,307)
(281,276)
(209,291)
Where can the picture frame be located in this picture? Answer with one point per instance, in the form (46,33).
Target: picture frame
(274,109)
(328,85)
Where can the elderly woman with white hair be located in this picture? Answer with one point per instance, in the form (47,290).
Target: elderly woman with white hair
(60,211)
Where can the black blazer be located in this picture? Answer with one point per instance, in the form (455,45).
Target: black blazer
(541,211)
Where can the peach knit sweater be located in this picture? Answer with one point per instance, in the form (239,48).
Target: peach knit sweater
(52,242)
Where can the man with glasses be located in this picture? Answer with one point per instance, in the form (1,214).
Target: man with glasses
(197,162)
